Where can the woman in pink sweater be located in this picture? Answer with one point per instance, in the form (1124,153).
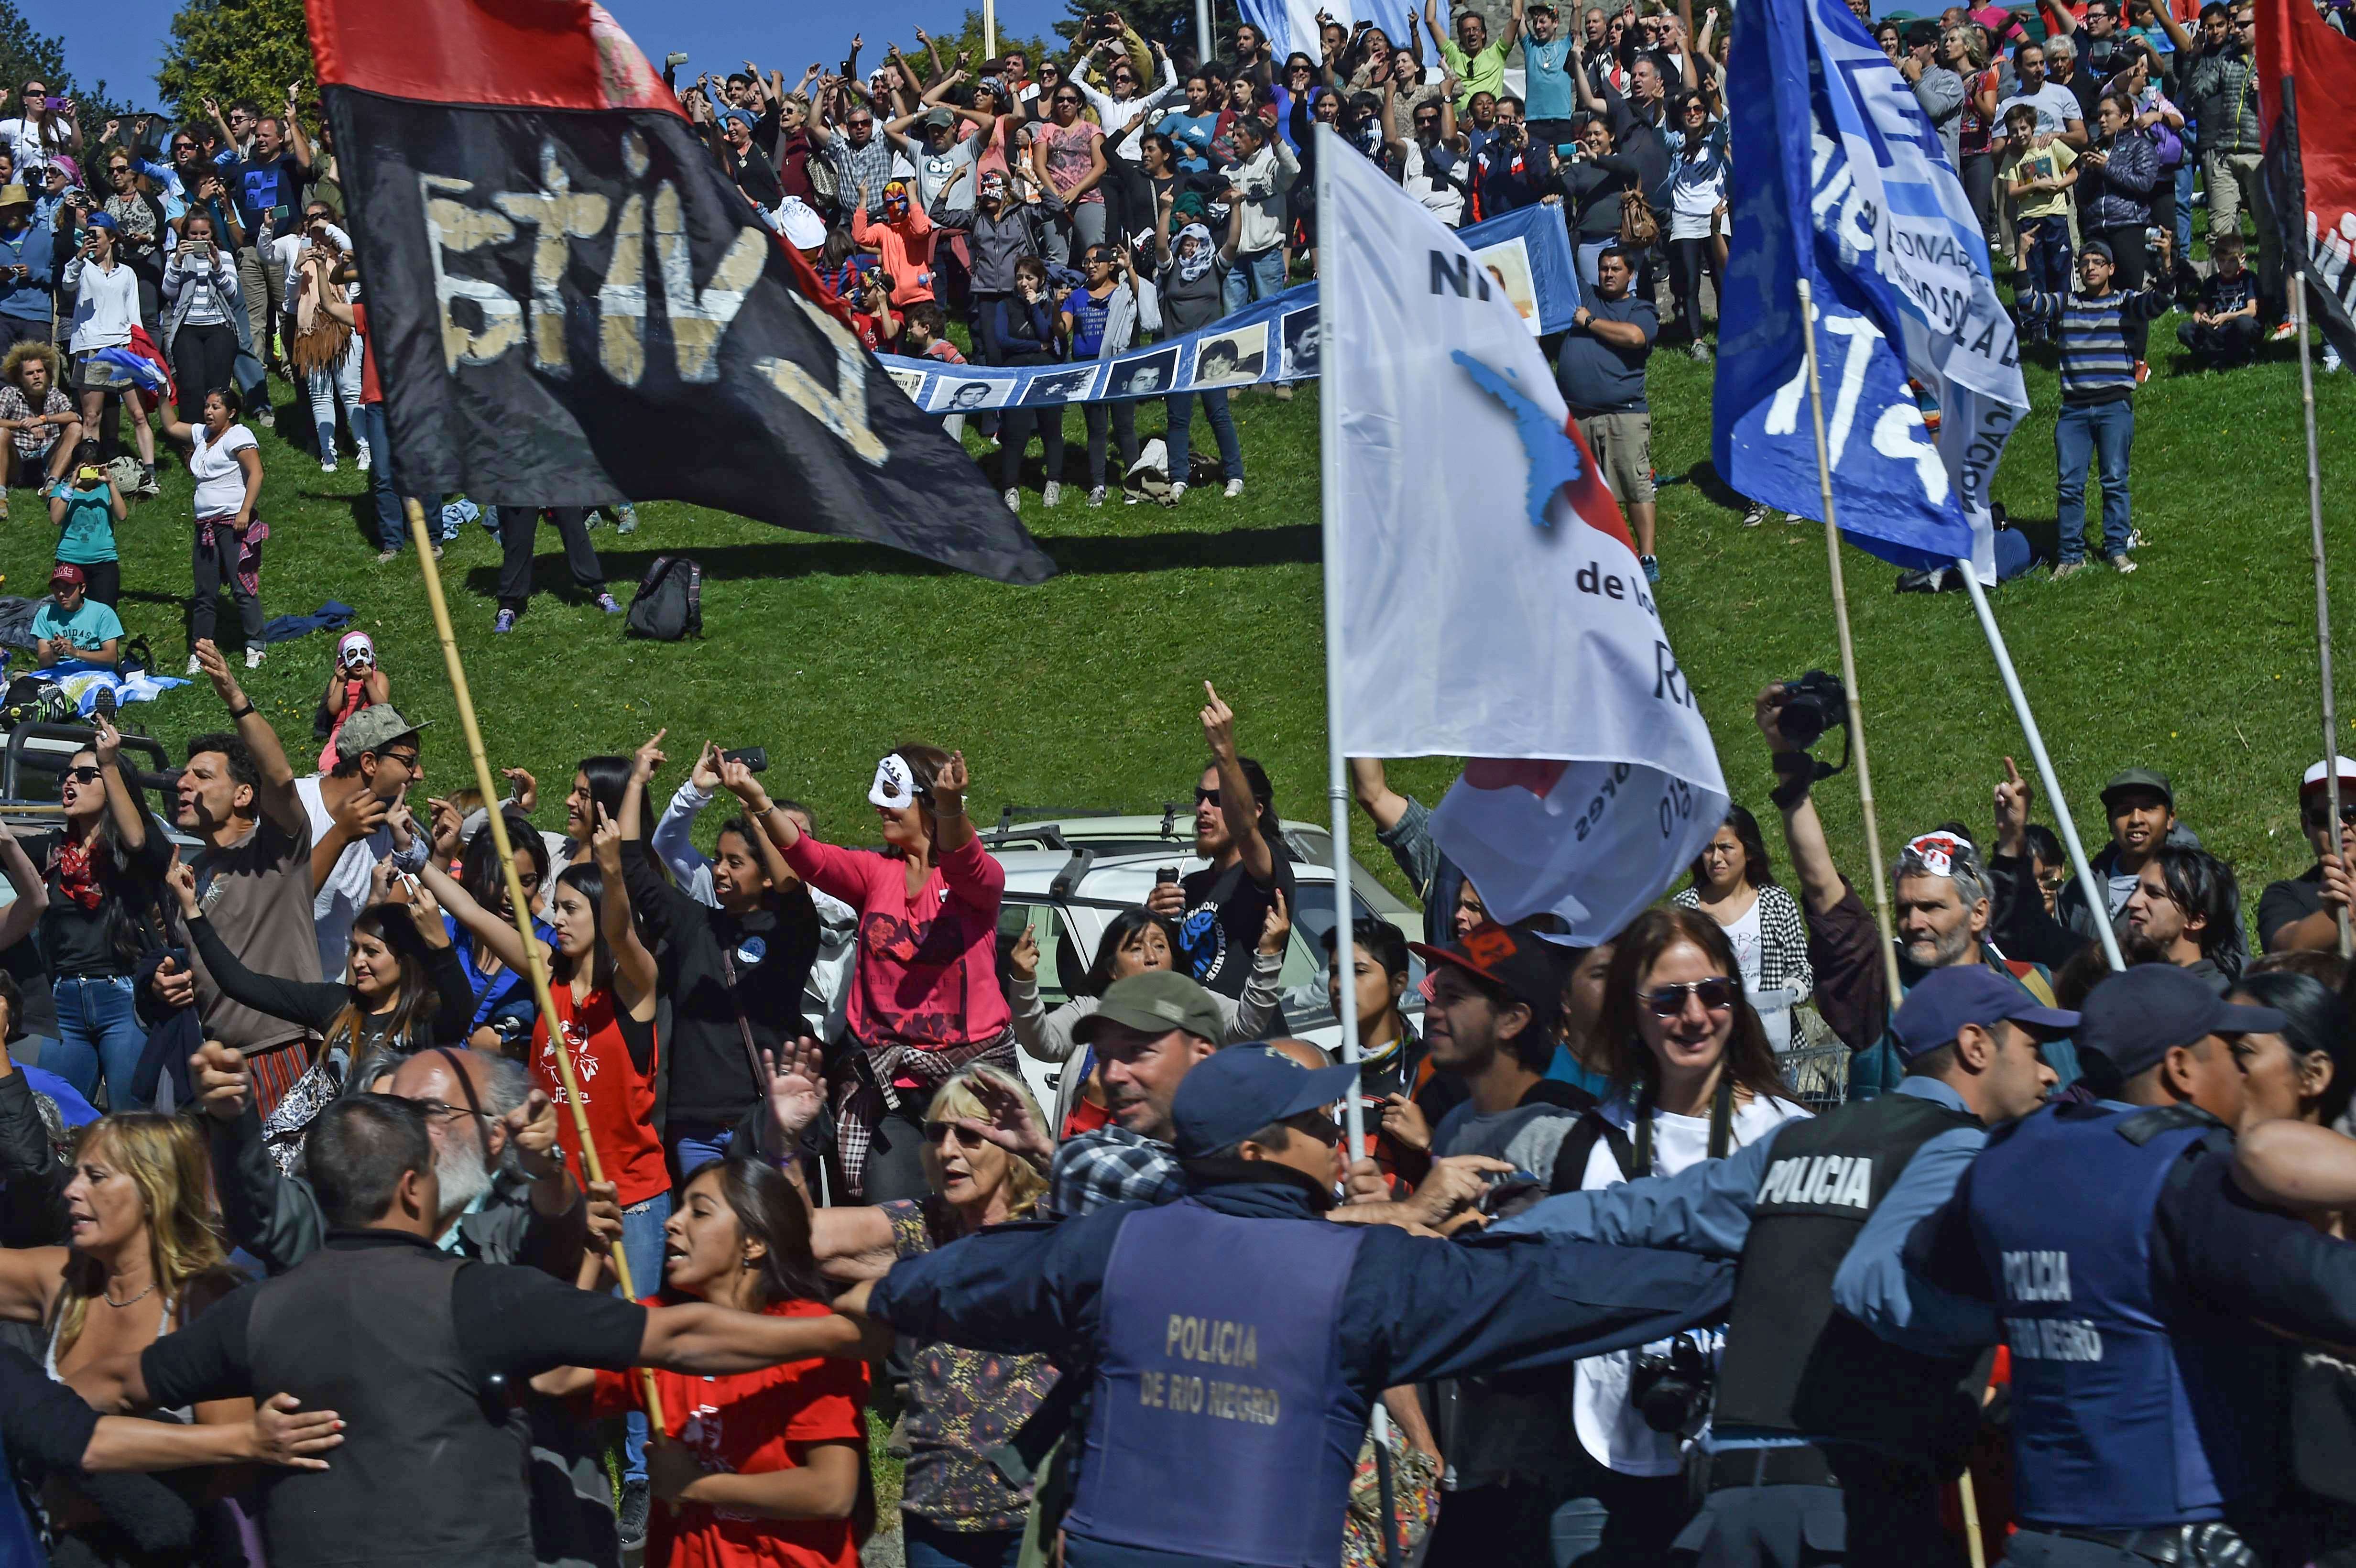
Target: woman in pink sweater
(904,239)
(924,1001)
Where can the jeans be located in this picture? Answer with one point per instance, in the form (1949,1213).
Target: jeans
(928,1545)
(1618,1520)
(694,1145)
(391,517)
(2087,432)
(1122,418)
(2184,172)
(1254,277)
(2233,341)
(642,1245)
(325,386)
(1181,407)
(98,1036)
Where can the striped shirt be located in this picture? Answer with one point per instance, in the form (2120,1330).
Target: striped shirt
(2095,364)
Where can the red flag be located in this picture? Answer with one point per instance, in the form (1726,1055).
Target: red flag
(2306,110)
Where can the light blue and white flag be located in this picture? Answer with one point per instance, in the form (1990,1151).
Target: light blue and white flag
(1865,207)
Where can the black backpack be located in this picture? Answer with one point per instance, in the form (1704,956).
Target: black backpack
(669,604)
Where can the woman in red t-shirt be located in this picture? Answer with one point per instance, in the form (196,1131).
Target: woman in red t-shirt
(760,1469)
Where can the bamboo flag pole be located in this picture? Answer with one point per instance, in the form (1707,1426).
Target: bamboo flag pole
(2322,589)
(535,965)
(1848,652)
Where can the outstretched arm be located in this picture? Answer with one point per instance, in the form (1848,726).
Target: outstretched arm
(276,795)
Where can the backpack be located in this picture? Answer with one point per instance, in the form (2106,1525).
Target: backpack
(669,604)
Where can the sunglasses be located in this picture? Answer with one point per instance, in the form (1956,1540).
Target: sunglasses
(1718,994)
(85,776)
(942,1132)
(1206,798)
(2320,814)
(1312,1123)
(406,758)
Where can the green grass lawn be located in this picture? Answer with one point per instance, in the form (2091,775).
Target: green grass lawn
(1083,692)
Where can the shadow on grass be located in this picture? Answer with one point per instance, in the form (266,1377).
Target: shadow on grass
(1291,544)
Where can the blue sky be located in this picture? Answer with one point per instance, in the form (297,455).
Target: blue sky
(123,40)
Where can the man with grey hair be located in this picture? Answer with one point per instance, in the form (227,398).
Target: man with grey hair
(1941,905)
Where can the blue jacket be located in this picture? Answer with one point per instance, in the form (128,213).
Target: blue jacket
(34,248)
(1413,1307)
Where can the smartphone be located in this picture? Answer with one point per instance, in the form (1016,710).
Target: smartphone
(281,213)
(673,61)
(755,758)
(89,475)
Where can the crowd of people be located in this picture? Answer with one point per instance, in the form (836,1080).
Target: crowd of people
(264,1101)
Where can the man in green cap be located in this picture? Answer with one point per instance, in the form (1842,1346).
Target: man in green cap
(1151,1029)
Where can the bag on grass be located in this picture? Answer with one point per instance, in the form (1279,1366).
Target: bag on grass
(669,604)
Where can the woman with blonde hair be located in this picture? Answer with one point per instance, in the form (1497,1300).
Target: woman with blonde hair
(143,1256)
(956,1508)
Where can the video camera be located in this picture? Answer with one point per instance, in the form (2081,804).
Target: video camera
(1813,703)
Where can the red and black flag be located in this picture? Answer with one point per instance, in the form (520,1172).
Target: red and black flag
(572,304)
(2306,108)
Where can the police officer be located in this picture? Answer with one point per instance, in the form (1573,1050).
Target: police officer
(1822,1432)
(2144,1296)
(1237,1339)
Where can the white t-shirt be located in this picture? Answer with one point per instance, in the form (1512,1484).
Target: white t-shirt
(339,898)
(2055,105)
(220,483)
(1609,1426)
(1744,934)
(106,303)
(32,151)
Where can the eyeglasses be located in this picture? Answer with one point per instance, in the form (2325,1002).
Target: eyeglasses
(1716,994)
(941,1132)
(85,776)
(1206,798)
(406,758)
(443,1110)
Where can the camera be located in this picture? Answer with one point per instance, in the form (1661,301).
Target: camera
(1672,1391)
(89,473)
(1812,703)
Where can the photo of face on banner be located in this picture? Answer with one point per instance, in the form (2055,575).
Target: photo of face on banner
(1063,386)
(911,382)
(1299,333)
(1508,266)
(1144,374)
(965,397)
(1235,358)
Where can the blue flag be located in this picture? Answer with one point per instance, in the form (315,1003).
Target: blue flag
(1839,177)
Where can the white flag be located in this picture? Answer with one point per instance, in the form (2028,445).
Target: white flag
(1489,601)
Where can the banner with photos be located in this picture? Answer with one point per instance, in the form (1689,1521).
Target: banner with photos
(1526,253)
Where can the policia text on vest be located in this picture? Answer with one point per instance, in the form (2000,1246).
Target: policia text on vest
(1225,1343)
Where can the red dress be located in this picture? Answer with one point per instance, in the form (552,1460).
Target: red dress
(617,1098)
(750,1423)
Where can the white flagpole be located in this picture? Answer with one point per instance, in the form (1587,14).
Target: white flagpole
(990,29)
(1337,765)
(1848,653)
(2322,585)
(2097,895)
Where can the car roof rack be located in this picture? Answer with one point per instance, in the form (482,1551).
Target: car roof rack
(1067,880)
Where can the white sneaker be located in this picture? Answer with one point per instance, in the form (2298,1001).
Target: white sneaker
(1177,493)
(1095,496)
(196,664)
(1013,499)
(254,659)
(362,461)
(326,465)
(1052,494)
(1235,488)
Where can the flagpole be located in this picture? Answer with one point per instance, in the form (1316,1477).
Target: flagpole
(1337,765)
(1848,652)
(2097,895)
(2322,584)
(535,962)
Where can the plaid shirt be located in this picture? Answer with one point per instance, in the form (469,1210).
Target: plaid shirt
(1111,1165)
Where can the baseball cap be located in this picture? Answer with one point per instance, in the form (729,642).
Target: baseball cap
(67,572)
(103,220)
(372,729)
(1155,1001)
(2313,783)
(1530,968)
(2134,1019)
(937,118)
(1936,1011)
(1226,1098)
(2139,778)
(2092,247)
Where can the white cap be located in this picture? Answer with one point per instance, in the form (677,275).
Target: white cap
(2316,775)
(804,230)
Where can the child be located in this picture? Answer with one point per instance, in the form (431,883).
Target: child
(2224,331)
(923,335)
(2037,174)
(355,683)
(86,506)
(872,315)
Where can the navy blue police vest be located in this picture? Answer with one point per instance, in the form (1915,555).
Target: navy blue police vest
(2121,1418)
(1222,1424)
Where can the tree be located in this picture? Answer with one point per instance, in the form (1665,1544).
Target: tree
(229,50)
(965,42)
(26,56)
(1170,23)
